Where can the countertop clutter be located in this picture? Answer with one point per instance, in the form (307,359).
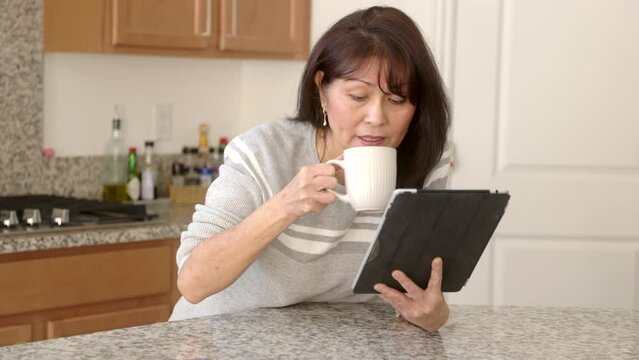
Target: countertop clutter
(361,331)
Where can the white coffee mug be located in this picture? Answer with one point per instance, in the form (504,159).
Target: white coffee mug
(370,174)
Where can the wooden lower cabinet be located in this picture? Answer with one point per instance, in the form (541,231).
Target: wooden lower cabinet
(15,334)
(55,293)
(107,321)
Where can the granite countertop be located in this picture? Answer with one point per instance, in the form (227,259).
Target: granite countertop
(171,221)
(353,331)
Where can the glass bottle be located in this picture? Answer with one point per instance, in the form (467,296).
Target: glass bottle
(221,147)
(203,139)
(206,176)
(133,182)
(177,174)
(149,173)
(114,176)
(203,146)
(192,177)
(213,163)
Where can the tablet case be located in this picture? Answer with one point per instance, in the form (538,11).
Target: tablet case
(419,225)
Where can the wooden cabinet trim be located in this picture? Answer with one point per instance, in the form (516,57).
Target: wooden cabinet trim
(15,334)
(107,321)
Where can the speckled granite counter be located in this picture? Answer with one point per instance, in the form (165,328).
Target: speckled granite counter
(356,331)
(171,222)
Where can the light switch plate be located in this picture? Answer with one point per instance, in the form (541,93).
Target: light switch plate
(163,119)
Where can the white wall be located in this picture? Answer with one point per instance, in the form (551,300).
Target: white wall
(80,90)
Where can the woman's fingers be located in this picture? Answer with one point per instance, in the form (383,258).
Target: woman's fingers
(320,178)
(306,188)
(392,296)
(319,170)
(436,275)
(412,290)
(317,178)
(323,182)
(424,308)
(325,197)
(410,309)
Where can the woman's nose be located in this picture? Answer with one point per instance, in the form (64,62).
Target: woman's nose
(375,114)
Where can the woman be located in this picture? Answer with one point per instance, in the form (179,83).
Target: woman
(269,234)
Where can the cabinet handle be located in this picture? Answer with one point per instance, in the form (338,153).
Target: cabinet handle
(234,18)
(209,8)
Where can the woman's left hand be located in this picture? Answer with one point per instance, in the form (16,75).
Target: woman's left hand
(424,308)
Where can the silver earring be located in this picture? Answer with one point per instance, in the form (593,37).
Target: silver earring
(325,118)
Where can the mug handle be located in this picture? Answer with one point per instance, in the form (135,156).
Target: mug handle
(342,197)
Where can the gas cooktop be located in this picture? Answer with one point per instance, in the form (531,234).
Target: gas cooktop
(36,213)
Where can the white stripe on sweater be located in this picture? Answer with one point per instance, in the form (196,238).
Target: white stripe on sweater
(249,154)
(367,220)
(333,233)
(317,231)
(235,157)
(321,247)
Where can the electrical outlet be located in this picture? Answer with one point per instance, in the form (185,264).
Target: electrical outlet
(163,119)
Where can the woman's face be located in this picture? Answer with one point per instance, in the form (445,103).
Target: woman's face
(361,114)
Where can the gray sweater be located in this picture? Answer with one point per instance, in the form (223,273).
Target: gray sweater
(315,259)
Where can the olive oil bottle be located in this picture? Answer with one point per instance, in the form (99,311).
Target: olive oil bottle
(114,177)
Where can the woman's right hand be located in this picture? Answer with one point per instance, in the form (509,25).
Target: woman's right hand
(306,193)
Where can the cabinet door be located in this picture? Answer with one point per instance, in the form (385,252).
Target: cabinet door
(182,24)
(276,26)
(79,279)
(73,25)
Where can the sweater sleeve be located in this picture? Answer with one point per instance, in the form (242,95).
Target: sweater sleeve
(233,196)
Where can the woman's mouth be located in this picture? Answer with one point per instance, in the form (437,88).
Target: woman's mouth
(371,140)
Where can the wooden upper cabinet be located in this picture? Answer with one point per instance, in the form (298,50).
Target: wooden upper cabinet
(276,29)
(278,26)
(182,24)
(74,25)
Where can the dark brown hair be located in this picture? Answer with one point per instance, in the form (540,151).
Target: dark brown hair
(388,35)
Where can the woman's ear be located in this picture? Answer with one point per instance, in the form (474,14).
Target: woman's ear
(319,75)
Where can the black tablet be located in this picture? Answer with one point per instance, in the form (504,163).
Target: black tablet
(419,225)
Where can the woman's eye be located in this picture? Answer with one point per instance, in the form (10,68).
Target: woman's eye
(357,98)
(397,101)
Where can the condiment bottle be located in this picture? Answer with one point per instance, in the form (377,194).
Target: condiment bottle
(114,177)
(149,173)
(133,182)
